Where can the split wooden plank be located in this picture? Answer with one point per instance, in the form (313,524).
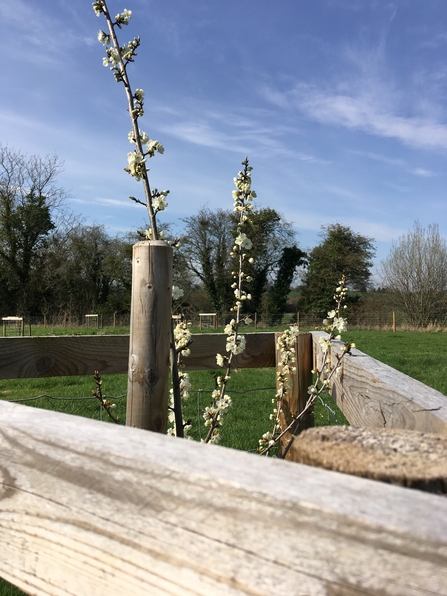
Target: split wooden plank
(375,395)
(91,508)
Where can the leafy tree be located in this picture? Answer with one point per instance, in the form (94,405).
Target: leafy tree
(87,271)
(416,270)
(341,252)
(207,247)
(270,234)
(28,199)
(292,257)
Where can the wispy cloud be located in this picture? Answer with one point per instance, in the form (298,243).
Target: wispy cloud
(364,93)
(235,132)
(379,231)
(44,39)
(422,172)
(363,113)
(392,161)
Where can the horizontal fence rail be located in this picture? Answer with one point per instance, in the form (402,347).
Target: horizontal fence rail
(55,356)
(90,508)
(375,395)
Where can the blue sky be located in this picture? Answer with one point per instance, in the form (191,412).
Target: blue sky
(341,106)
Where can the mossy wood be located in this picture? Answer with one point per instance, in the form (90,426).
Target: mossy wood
(150,336)
(398,456)
(91,508)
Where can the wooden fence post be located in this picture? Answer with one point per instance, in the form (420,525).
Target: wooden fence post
(150,325)
(394,321)
(296,396)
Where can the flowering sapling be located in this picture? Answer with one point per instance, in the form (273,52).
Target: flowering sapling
(286,347)
(235,344)
(117,58)
(334,324)
(102,399)
(181,385)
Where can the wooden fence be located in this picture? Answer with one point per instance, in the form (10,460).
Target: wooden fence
(91,508)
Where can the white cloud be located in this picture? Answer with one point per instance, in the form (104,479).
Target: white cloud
(422,172)
(362,113)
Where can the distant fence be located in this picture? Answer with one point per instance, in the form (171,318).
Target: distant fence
(309,321)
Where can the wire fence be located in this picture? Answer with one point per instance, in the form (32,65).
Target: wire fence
(120,322)
(201,402)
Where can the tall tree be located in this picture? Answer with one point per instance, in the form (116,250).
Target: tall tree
(28,199)
(208,243)
(416,270)
(270,233)
(87,271)
(207,246)
(341,252)
(292,258)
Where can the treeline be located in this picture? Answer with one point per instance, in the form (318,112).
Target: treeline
(53,264)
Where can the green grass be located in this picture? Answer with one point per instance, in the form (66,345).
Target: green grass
(419,354)
(7,589)
(40,330)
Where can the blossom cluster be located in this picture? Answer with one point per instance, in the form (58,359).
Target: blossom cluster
(159,202)
(185,388)
(182,340)
(334,324)
(214,414)
(182,337)
(136,165)
(117,58)
(177,293)
(151,146)
(286,347)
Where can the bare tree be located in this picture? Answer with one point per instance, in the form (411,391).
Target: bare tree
(208,245)
(28,198)
(416,270)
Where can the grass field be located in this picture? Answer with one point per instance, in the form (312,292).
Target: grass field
(422,355)
(419,354)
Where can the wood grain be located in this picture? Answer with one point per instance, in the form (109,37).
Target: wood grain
(33,357)
(374,395)
(150,336)
(90,508)
(259,351)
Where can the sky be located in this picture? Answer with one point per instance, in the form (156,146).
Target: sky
(340,106)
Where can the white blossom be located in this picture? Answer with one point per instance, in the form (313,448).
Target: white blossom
(243,242)
(235,344)
(177,292)
(220,360)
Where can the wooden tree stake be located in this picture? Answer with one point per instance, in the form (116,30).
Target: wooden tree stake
(150,324)
(296,397)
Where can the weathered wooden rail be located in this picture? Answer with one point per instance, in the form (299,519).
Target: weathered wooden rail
(91,508)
